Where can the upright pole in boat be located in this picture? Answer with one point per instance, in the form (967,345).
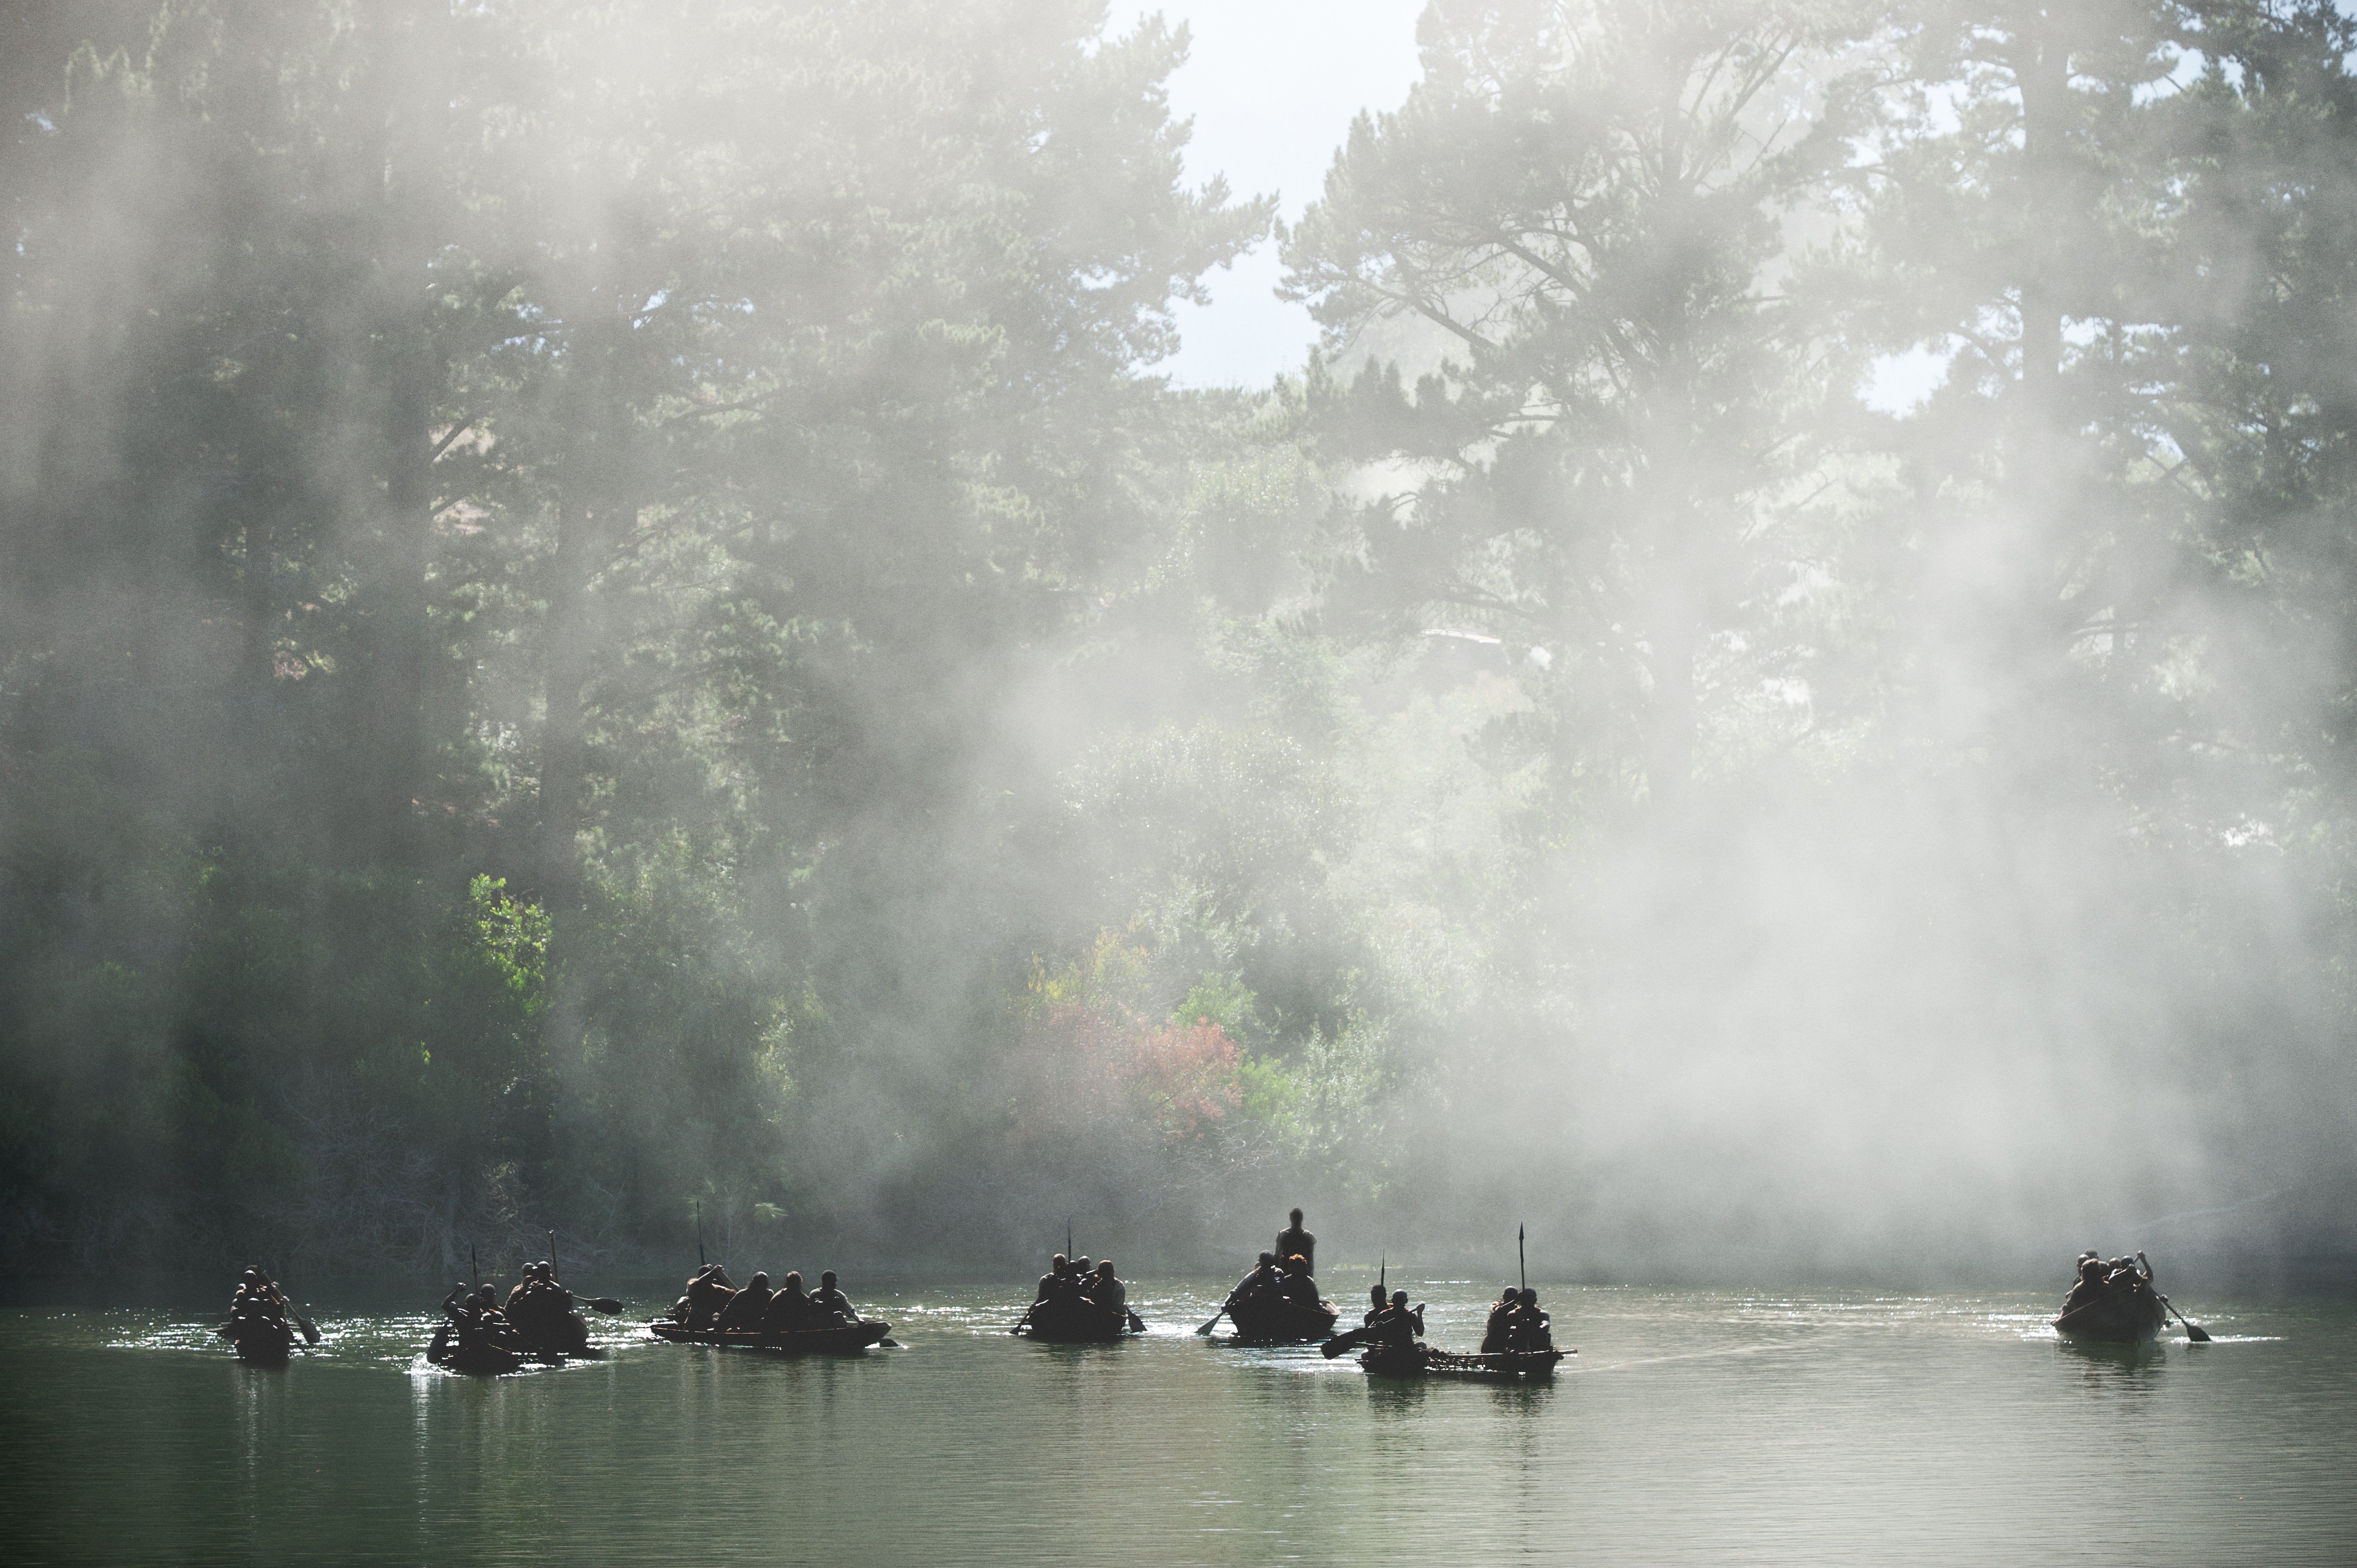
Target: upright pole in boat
(1522,1258)
(474,1266)
(1068,1235)
(700,1264)
(552,1272)
(1382,1268)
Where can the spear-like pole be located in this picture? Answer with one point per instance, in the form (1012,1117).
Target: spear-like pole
(1522,1257)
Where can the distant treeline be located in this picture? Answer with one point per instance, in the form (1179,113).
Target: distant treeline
(604,619)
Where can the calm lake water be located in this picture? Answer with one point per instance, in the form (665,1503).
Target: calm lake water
(1692,1427)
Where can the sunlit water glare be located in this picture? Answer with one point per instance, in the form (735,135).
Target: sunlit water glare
(1692,1427)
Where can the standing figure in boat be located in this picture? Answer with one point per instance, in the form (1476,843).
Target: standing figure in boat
(1292,1241)
(2112,1303)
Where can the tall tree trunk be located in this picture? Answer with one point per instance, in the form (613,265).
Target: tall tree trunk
(562,745)
(2044,75)
(411,63)
(1672,715)
(594,503)
(258,659)
(405,630)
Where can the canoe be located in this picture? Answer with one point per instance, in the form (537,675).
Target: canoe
(1424,1361)
(571,1338)
(1265,1320)
(1068,1323)
(258,1343)
(481,1359)
(2130,1316)
(843,1340)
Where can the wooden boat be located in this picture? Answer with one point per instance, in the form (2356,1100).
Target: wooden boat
(2129,1317)
(1424,1361)
(1272,1320)
(570,1338)
(1076,1322)
(258,1342)
(480,1358)
(844,1339)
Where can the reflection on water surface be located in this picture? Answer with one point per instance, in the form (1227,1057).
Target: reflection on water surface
(1694,1426)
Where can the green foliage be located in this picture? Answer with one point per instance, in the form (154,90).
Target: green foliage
(1219,999)
(562,649)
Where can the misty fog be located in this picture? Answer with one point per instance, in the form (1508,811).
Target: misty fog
(610,615)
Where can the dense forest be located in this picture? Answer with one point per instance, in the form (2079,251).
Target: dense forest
(605,619)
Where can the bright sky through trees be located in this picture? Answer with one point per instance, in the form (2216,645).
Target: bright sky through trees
(1272,86)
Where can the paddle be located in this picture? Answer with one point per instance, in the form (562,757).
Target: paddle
(1136,1324)
(604,1304)
(311,1333)
(1207,1328)
(2193,1330)
(1358,1337)
(1341,1342)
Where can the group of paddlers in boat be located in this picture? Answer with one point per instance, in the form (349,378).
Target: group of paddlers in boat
(1517,1340)
(538,1323)
(258,1328)
(1279,1302)
(1079,1301)
(714,1310)
(2113,1303)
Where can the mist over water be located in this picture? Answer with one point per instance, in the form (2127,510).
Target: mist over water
(607,623)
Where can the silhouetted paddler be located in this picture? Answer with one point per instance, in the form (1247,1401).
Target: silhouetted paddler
(831,1303)
(748,1308)
(1294,1242)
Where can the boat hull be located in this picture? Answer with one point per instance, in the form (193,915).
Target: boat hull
(1065,1323)
(568,1336)
(2126,1317)
(450,1353)
(1423,1362)
(259,1344)
(1281,1322)
(846,1339)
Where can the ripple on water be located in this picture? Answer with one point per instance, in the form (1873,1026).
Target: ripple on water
(1695,1426)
